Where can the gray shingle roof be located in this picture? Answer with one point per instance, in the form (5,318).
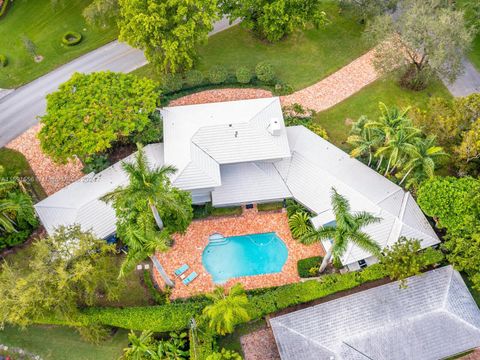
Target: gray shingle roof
(433,318)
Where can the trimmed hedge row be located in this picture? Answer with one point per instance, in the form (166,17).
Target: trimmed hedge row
(270,206)
(71,38)
(176,316)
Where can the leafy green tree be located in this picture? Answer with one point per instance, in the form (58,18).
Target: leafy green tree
(453,203)
(167,31)
(347,229)
(148,210)
(366,9)
(274,19)
(364,139)
(401,260)
(427,38)
(66,271)
(227,309)
(89,112)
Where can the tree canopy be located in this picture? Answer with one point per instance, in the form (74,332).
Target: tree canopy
(274,19)
(167,31)
(89,112)
(428,38)
(66,271)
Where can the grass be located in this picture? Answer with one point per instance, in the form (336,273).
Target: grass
(336,120)
(232,341)
(15,165)
(270,206)
(44,24)
(300,60)
(60,343)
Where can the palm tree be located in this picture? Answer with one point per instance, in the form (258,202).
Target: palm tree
(422,162)
(152,185)
(226,310)
(364,140)
(347,229)
(398,147)
(140,346)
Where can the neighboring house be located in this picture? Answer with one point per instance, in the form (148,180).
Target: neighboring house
(435,317)
(240,152)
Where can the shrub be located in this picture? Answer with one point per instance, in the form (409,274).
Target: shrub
(300,224)
(15,238)
(156,294)
(152,132)
(217,75)
(225,355)
(96,163)
(304,266)
(270,206)
(194,78)
(226,211)
(71,38)
(171,83)
(202,344)
(3,60)
(317,129)
(94,333)
(265,72)
(243,75)
(282,89)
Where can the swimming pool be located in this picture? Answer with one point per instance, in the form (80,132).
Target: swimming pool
(235,256)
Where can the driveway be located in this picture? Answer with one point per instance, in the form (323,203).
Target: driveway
(467,83)
(20,109)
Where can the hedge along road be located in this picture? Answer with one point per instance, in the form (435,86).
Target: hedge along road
(20,109)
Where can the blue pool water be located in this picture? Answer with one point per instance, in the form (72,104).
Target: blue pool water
(244,256)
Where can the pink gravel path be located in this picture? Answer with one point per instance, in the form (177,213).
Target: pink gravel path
(259,345)
(51,176)
(219,95)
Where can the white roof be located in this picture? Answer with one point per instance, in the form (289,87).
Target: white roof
(79,202)
(316,166)
(433,318)
(200,138)
(249,182)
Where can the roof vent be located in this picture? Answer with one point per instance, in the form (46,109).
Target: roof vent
(274,127)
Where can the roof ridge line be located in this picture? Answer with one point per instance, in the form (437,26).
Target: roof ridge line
(456,317)
(448,289)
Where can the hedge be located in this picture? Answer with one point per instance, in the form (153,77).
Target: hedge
(71,38)
(176,316)
(270,206)
(204,346)
(304,266)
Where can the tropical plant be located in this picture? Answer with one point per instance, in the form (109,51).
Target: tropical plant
(227,309)
(422,162)
(300,225)
(401,260)
(139,346)
(224,354)
(90,112)
(173,348)
(179,27)
(347,229)
(148,210)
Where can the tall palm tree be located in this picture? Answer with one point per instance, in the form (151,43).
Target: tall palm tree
(347,228)
(422,162)
(227,309)
(364,140)
(152,185)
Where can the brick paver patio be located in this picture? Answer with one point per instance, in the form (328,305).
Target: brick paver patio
(188,249)
(260,345)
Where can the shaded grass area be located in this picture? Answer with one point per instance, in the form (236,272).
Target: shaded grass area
(337,120)
(15,165)
(301,59)
(270,206)
(61,343)
(232,341)
(45,22)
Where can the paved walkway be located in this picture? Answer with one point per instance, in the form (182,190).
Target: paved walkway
(467,83)
(260,345)
(188,249)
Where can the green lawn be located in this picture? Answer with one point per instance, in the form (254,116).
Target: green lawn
(45,25)
(335,120)
(300,60)
(60,343)
(15,164)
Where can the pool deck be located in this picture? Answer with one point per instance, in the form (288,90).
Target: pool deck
(188,248)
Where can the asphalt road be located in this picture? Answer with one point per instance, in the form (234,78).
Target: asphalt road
(20,109)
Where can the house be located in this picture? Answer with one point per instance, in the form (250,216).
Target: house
(435,317)
(241,152)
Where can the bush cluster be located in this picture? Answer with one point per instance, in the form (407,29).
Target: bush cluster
(71,38)
(3,60)
(297,115)
(270,206)
(304,266)
(156,294)
(243,75)
(265,72)
(194,78)
(217,75)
